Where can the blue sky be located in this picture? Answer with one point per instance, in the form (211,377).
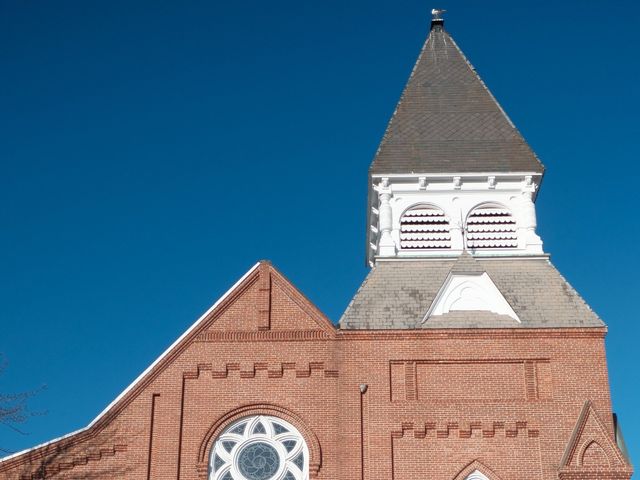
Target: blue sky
(152,152)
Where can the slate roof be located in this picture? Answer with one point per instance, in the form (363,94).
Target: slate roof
(447,121)
(398,294)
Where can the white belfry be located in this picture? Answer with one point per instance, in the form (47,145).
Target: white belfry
(489,215)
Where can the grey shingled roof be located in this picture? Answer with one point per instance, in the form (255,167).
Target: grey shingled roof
(447,121)
(397,295)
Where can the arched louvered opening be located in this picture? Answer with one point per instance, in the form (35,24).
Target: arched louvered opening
(491,226)
(424,227)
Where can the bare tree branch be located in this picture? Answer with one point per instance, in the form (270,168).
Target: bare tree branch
(14,408)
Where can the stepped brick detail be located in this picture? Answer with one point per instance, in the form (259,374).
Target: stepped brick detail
(64,465)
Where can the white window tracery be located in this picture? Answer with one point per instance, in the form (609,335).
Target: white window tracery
(259,448)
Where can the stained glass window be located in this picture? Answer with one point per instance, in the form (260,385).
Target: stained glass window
(238,429)
(228,446)
(299,461)
(278,429)
(258,461)
(289,445)
(217,462)
(259,428)
(259,448)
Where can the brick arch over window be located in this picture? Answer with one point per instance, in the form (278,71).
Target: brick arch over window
(477,475)
(315,453)
(424,227)
(490,226)
(476,471)
(594,455)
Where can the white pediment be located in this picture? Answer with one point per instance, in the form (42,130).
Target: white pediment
(470,292)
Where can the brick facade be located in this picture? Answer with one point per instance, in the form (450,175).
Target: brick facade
(506,381)
(515,404)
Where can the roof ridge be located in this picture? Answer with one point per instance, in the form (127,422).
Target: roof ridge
(467,264)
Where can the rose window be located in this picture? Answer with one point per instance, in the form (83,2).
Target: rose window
(259,448)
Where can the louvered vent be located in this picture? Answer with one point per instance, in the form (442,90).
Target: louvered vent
(424,228)
(491,227)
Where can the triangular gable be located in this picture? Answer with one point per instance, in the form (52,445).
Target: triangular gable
(263,276)
(462,292)
(591,449)
(270,302)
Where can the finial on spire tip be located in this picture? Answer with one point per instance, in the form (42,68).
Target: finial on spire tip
(436,18)
(436,14)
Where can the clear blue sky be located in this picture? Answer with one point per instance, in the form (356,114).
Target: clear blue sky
(151,152)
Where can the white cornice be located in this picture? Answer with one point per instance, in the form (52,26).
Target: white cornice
(436,258)
(456,174)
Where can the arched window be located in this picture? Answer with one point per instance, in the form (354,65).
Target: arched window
(259,448)
(491,226)
(424,227)
(477,475)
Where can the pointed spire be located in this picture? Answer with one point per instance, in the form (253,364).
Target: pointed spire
(447,121)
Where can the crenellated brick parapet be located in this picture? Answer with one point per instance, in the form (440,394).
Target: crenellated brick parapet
(268,370)
(466,429)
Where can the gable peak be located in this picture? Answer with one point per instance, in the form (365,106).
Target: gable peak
(271,304)
(591,448)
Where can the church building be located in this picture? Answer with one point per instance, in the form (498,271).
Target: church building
(464,354)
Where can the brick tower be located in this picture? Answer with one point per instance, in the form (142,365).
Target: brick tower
(464,355)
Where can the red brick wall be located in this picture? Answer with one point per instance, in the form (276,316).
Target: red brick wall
(437,401)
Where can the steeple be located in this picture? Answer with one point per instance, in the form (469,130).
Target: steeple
(447,121)
(452,173)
